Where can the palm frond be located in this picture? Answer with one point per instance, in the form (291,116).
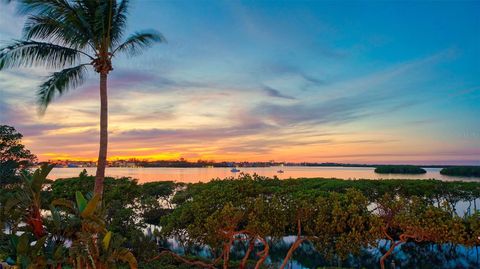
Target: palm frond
(139,41)
(119,21)
(60,82)
(101,20)
(69,12)
(41,27)
(54,29)
(43,6)
(32,53)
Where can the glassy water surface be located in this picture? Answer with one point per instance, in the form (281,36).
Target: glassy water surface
(192,175)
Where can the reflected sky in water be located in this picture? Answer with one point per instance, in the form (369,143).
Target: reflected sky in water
(192,175)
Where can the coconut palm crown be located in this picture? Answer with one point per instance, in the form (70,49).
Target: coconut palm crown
(74,36)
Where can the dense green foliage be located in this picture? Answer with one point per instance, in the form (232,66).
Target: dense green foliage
(129,206)
(466,171)
(399,169)
(73,234)
(13,155)
(238,223)
(339,217)
(433,191)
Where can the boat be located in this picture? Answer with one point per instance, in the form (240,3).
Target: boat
(280,171)
(234,170)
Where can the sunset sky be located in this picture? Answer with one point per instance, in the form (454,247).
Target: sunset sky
(358,82)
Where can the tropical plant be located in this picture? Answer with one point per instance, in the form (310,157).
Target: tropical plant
(43,240)
(28,202)
(128,206)
(29,253)
(75,35)
(92,245)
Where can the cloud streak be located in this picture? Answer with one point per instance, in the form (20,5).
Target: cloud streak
(276,93)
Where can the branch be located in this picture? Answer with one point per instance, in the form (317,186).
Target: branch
(263,254)
(392,248)
(295,245)
(251,245)
(182,259)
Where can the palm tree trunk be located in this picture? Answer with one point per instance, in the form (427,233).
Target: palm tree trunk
(102,153)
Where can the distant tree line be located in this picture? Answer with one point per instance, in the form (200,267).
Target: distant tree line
(399,169)
(466,171)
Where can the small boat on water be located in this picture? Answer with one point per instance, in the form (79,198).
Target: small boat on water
(234,170)
(280,171)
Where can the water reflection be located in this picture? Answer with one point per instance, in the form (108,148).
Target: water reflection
(409,255)
(191,175)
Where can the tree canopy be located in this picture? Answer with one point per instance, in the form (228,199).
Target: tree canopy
(13,154)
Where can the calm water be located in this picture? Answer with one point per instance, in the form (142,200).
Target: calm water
(191,175)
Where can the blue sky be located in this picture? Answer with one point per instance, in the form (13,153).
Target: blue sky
(348,81)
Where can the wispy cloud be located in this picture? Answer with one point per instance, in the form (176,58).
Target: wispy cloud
(284,69)
(276,93)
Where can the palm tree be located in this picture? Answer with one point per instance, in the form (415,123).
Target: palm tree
(73,35)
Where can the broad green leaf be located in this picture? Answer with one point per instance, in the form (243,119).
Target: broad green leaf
(14,240)
(26,177)
(58,254)
(37,182)
(64,203)
(23,244)
(81,201)
(46,169)
(56,218)
(40,176)
(39,245)
(106,240)
(90,207)
(129,258)
(10,204)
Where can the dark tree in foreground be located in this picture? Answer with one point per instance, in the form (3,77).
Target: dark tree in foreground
(73,36)
(13,155)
